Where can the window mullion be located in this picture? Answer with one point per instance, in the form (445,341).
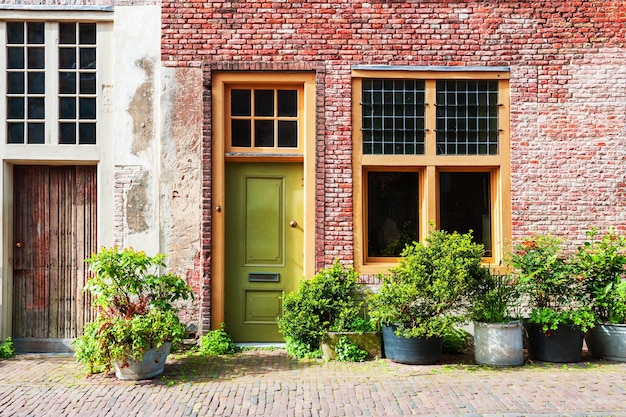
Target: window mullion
(52,84)
(431,118)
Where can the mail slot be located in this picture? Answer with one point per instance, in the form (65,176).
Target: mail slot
(263,277)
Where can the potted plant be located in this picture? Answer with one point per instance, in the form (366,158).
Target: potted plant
(600,263)
(423,295)
(494,303)
(559,311)
(322,310)
(136,320)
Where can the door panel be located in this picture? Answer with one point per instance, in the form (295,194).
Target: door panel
(263,246)
(54,229)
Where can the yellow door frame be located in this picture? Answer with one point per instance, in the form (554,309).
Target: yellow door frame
(220,82)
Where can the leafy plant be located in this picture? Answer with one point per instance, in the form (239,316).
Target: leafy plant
(330,300)
(135,310)
(425,292)
(494,298)
(217,342)
(7,350)
(547,278)
(456,340)
(600,264)
(348,351)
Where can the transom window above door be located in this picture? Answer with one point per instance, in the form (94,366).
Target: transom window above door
(51,82)
(264,120)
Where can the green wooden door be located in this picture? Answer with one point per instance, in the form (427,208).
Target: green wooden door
(263,245)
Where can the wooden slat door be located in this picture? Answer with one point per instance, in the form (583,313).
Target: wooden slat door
(54,230)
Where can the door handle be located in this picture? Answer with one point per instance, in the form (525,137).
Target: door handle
(293,223)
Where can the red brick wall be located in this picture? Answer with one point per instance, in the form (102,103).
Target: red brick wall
(568,87)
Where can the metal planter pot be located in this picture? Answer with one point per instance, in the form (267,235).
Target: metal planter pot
(607,341)
(153,364)
(499,344)
(412,351)
(563,345)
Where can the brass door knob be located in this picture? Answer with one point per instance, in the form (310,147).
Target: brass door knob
(293,223)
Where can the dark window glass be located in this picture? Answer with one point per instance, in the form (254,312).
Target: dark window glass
(240,103)
(36,108)
(36,133)
(287,103)
(67,33)
(264,103)
(15,108)
(465,204)
(36,58)
(241,133)
(87,108)
(264,133)
(287,134)
(35,33)
(67,108)
(15,33)
(36,83)
(87,133)
(67,58)
(87,33)
(392,212)
(16,133)
(15,58)
(67,133)
(67,82)
(88,83)
(87,58)
(15,82)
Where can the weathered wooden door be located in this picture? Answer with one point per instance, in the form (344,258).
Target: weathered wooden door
(54,230)
(264,245)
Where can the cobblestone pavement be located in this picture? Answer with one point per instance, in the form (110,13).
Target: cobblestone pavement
(270,383)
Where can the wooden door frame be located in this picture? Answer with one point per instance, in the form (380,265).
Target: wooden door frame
(219,81)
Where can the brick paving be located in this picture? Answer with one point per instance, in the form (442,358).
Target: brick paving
(270,383)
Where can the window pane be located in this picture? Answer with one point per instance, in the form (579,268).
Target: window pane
(67,108)
(88,83)
(87,133)
(241,133)
(287,103)
(36,58)
(67,133)
(15,133)
(67,33)
(35,33)
(67,58)
(67,82)
(15,83)
(240,104)
(87,108)
(392,212)
(15,108)
(465,204)
(36,108)
(87,58)
(264,103)
(393,117)
(87,33)
(36,82)
(287,134)
(15,58)
(36,133)
(15,33)
(264,133)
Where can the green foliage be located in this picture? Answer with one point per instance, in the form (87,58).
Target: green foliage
(426,291)
(217,342)
(7,350)
(494,298)
(348,351)
(600,263)
(135,308)
(549,281)
(330,300)
(456,340)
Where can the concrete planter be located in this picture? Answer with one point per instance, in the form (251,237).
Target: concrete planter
(607,341)
(153,364)
(499,344)
(368,341)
